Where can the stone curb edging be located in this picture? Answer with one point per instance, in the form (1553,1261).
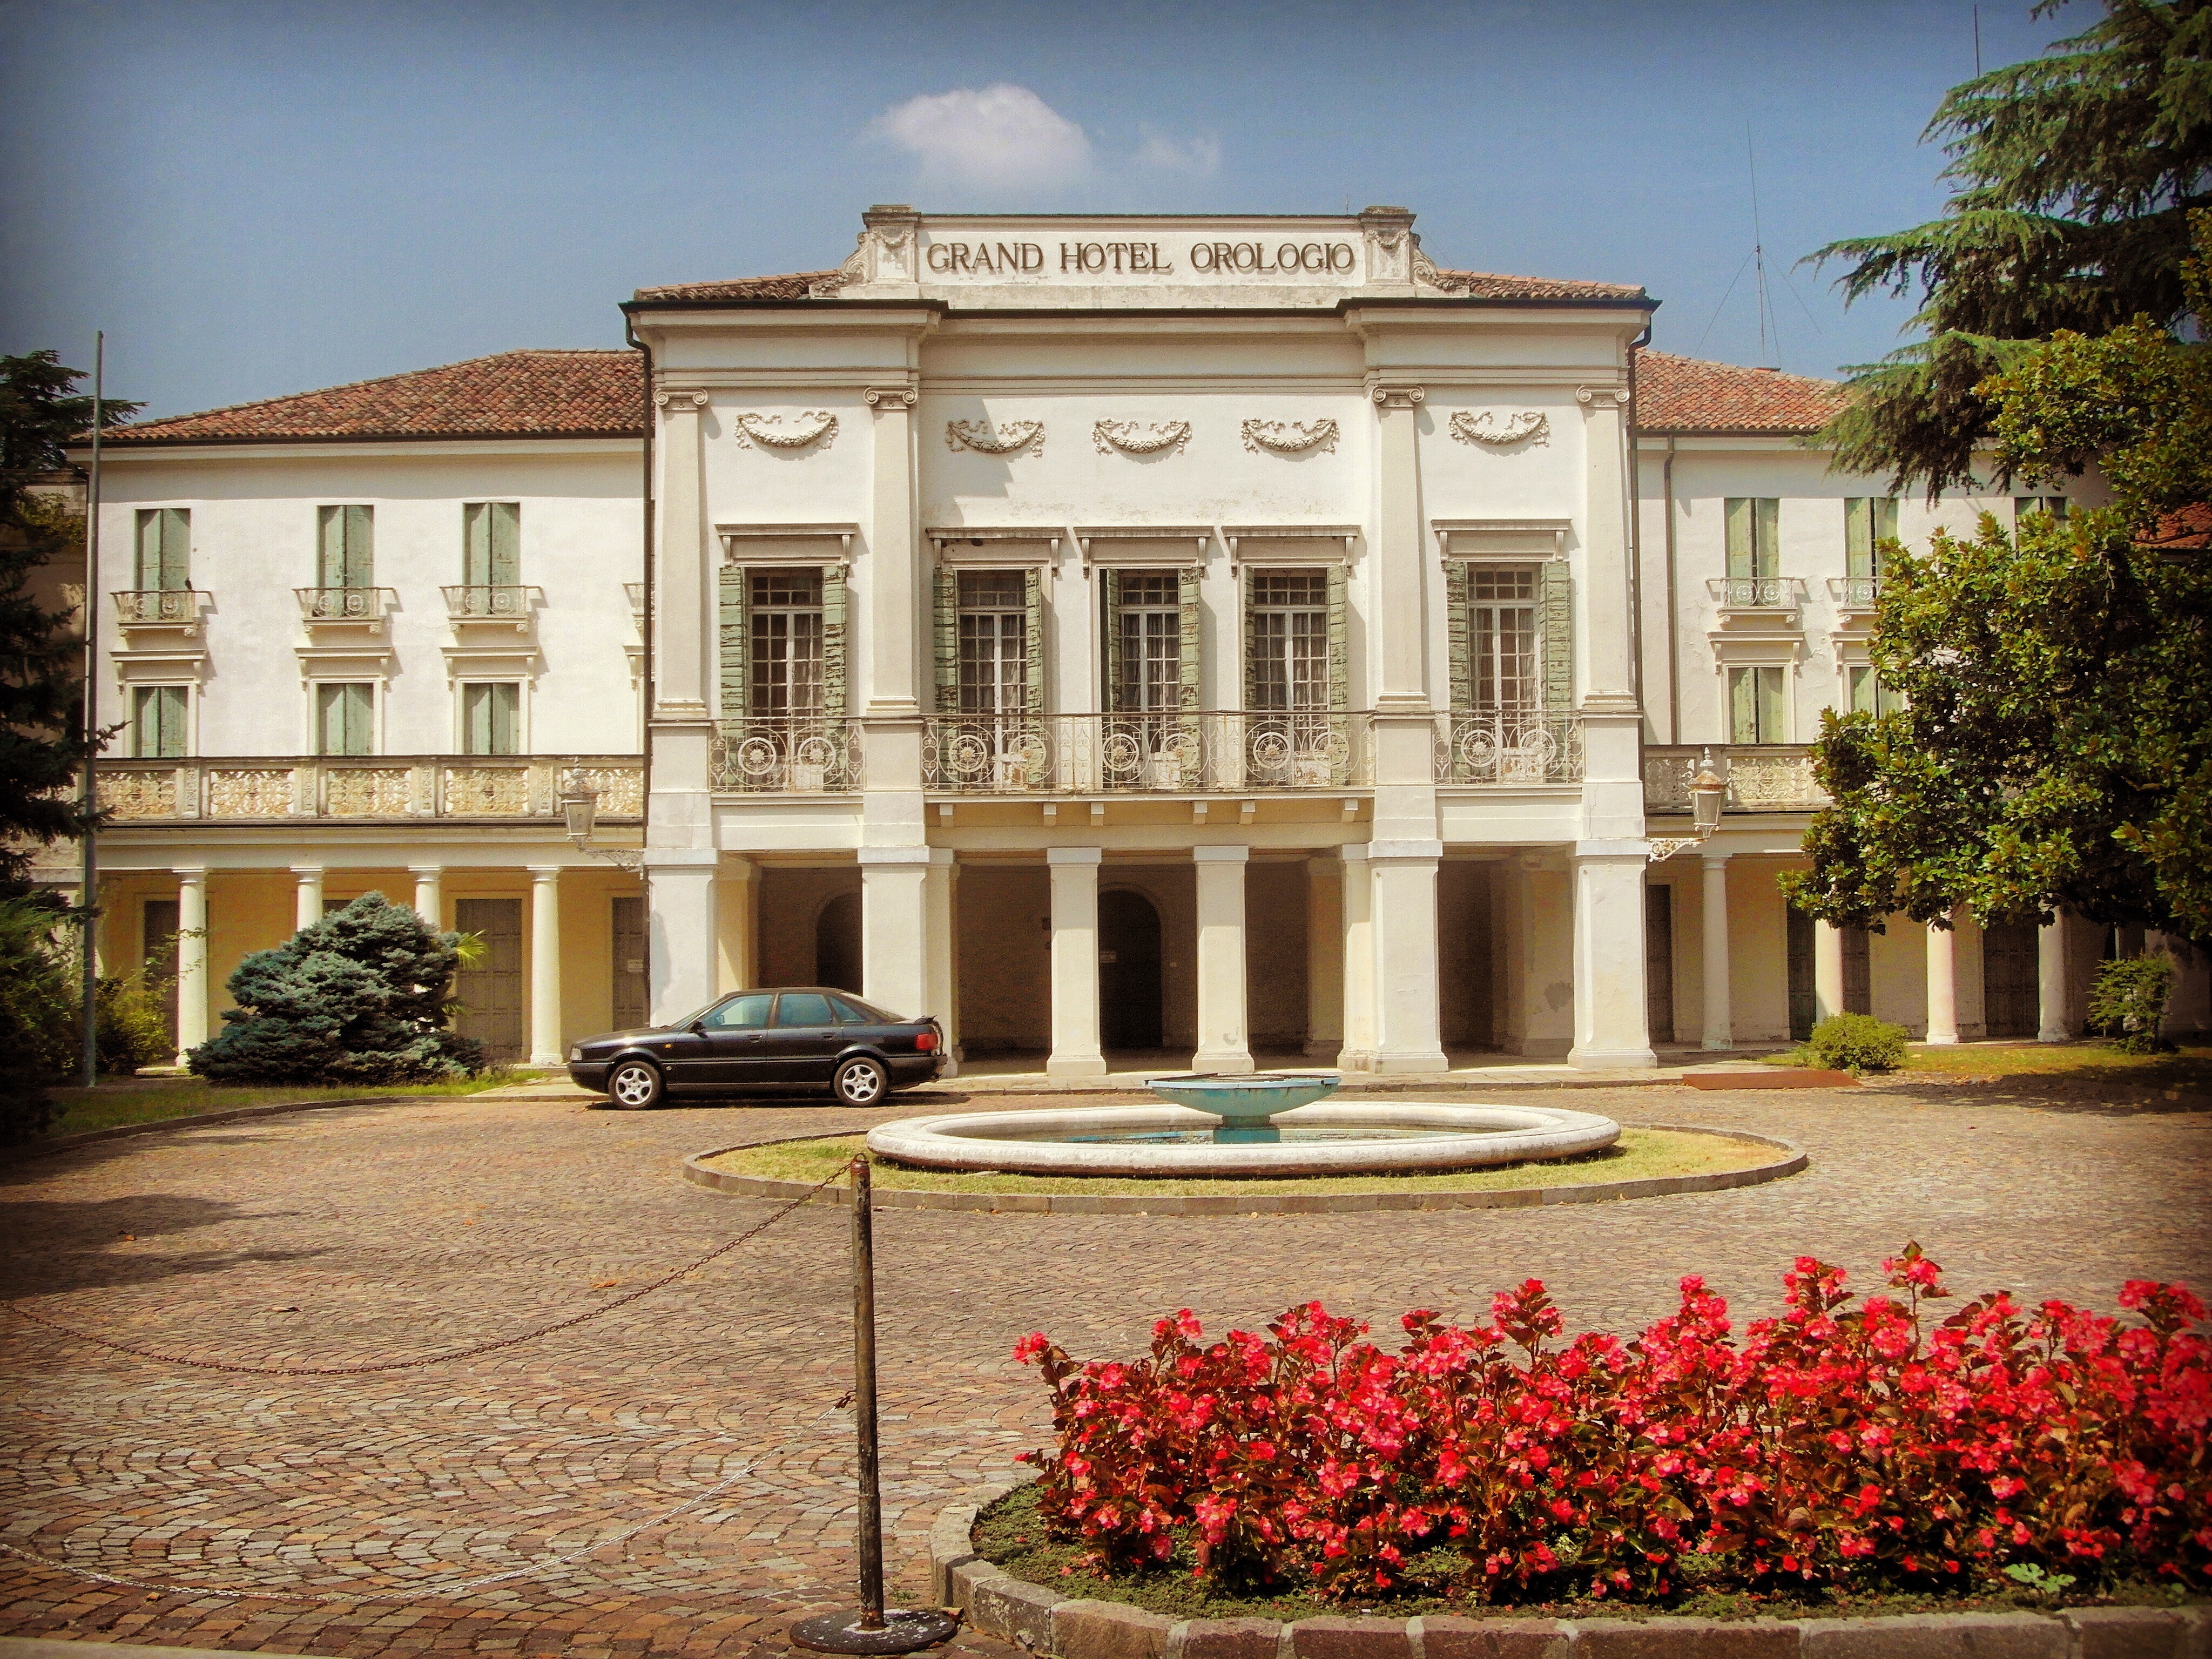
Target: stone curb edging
(201,1120)
(1042,1620)
(1795,1158)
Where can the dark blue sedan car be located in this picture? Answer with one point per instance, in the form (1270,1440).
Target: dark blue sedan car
(750,1040)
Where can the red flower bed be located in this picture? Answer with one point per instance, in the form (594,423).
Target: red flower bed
(1837,1444)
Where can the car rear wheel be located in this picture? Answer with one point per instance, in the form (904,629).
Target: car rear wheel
(860,1082)
(635,1085)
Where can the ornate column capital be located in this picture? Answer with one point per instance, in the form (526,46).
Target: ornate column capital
(899,397)
(1389,394)
(1602,396)
(675,402)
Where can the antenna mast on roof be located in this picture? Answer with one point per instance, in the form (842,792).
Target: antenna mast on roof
(1768,323)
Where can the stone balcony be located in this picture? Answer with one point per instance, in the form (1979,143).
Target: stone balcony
(392,788)
(158,617)
(1760,777)
(1198,751)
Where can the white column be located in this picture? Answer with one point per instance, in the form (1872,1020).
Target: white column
(1828,972)
(1075,1051)
(1223,1044)
(680,908)
(545,965)
(1324,955)
(1358,1054)
(941,912)
(736,925)
(1404,923)
(895,929)
(1942,985)
(1400,560)
(894,613)
(306,895)
(1720,1018)
(191,961)
(1612,1018)
(679,808)
(2051,1023)
(429,895)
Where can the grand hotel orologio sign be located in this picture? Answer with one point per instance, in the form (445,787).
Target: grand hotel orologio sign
(997,258)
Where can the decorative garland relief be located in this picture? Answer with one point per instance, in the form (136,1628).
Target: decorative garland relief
(1474,427)
(1107,436)
(1289,437)
(769,432)
(978,436)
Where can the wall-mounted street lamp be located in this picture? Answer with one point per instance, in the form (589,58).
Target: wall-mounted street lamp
(1707,791)
(579,806)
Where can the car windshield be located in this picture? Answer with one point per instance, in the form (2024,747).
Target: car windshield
(854,1011)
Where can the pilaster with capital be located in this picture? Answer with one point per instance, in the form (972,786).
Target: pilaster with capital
(677,810)
(1404,725)
(1612,783)
(893,621)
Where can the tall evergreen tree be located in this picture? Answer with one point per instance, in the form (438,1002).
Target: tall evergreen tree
(2073,177)
(42,743)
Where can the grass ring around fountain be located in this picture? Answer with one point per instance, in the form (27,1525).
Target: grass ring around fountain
(1649,1160)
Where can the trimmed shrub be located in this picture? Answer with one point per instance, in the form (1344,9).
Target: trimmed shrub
(1856,1044)
(2128,1002)
(357,997)
(1868,1447)
(132,1022)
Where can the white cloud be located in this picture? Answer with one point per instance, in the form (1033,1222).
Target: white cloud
(1200,157)
(997,134)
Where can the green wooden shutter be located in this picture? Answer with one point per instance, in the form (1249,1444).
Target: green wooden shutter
(1771,724)
(735,637)
(1858,536)
(506,550)
(944,639)
(1109,639)
(1739,536)
(148,572)
(1247,631)
(1766,542)
(1458,634)
(476,544)
(158,721)
(1340,642)
(344,715)
(506,719)
(1033,639)
(1743,706)
(1557,643)
(165,537)
(329,547)
(833,641)
(1188,653)
(344,557)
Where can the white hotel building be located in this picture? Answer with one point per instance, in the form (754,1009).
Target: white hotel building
(1164,637)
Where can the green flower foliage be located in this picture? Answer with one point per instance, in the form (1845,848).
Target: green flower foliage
(2055,747)
(358,997)
(2073,176)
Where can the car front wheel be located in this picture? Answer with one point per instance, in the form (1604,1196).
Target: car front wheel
(860,1082)
(635,1085)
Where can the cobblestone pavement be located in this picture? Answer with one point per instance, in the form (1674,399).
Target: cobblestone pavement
(363,1233)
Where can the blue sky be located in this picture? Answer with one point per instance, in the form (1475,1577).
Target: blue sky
(260,198)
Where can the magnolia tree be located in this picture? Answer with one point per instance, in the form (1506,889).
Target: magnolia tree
(360,996)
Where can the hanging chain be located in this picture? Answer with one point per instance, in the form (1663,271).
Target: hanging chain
(569,1323)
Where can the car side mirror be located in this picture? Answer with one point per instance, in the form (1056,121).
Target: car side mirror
(698,1028)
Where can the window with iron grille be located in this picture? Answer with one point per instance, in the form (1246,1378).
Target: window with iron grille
(1503,626)
(993,625)
(1287,620)
(1149,677)
(785,608)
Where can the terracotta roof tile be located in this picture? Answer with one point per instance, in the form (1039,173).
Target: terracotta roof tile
(1688,394)
(1488,285)
(792,286)
(514,394)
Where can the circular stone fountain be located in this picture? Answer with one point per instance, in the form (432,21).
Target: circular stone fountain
(1259,1125)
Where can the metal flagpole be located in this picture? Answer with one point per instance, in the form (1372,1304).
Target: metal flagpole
(89,611)
(872,1630)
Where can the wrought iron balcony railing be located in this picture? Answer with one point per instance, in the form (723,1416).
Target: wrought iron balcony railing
(353,604)
(1756,593)
(158,606)
(508,603)
(1853,593)
(1178,752)
(1509,747)
(789,754)
(1767,777)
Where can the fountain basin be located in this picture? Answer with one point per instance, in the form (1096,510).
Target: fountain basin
(1247,1101)
(1323,1139)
